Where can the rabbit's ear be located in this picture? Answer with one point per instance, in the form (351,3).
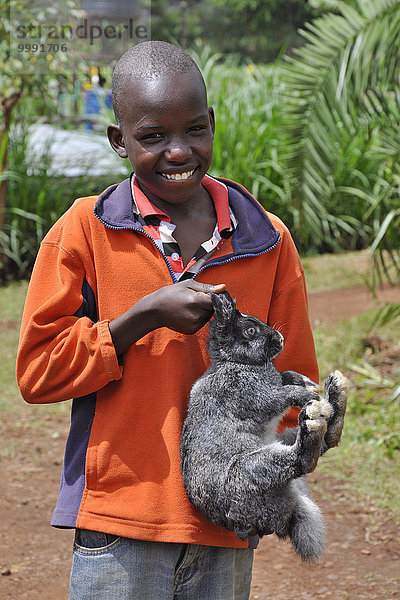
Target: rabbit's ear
(224,307)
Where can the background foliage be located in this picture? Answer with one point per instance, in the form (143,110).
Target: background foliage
(256,30)
(341,106)
(313,135)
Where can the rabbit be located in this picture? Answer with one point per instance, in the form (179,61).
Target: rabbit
(236,469)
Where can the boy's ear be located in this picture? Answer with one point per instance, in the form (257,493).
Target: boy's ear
(212,118)
(224,307)
(116,139)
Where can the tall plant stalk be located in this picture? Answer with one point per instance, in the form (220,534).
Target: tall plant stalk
(6,105)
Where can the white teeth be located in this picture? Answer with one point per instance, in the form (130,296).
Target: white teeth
(178,176)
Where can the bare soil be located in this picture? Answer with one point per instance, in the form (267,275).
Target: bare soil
(362,558)
(334,305)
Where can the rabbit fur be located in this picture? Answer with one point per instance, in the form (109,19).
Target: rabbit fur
(236,470)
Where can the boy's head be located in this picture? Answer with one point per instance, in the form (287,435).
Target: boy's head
(164,125)
(149,61)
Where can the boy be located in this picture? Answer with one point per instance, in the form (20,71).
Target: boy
(114,318)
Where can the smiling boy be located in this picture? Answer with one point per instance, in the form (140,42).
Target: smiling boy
(115,317)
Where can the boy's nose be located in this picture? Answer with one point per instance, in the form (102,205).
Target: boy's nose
(178,150)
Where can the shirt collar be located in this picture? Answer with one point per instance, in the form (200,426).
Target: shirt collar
(219,194)
(217,190)
(142,205)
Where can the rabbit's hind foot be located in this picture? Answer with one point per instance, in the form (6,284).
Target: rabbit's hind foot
(312,429)
(318,408)
(336,387)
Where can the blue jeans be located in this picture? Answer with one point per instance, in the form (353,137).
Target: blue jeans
(107,567)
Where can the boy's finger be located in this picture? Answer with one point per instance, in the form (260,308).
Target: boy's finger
(218,288)
(207,288)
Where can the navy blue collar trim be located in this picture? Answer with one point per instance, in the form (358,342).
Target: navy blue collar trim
(254,234)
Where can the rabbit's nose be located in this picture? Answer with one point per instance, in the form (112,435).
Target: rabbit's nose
(281,337)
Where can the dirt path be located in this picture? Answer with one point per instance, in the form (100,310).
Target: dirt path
(325,307)
(362,559)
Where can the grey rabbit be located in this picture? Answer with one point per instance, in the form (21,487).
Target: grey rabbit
(236,470)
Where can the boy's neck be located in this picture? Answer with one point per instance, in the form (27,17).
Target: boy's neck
(199,208)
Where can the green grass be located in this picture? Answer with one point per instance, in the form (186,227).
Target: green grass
(368,456)
(12,298)
(346,269)
(16,417)
(337,270)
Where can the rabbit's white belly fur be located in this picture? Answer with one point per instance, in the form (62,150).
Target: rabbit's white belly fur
(270,428)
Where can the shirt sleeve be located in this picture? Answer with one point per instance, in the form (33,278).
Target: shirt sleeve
(289,315)
(62,352)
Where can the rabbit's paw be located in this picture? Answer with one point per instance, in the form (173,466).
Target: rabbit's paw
(294,378)
(315,425)
(318,408)
(312,429)
(310,385)
(336,387)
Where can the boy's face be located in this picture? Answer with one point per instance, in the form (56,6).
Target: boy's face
(167,134)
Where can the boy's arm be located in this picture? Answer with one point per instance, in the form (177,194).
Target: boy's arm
(183,307)
(64,354)
(289,314)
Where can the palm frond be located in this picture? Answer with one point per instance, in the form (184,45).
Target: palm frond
(341,86)
(386,314)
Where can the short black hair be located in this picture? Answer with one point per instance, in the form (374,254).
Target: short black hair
(148,60)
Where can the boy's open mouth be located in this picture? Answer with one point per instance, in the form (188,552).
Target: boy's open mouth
(178,176)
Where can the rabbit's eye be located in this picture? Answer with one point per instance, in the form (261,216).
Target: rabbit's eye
(250,331)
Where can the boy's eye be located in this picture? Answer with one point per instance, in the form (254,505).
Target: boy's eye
(152,136)
(197,129)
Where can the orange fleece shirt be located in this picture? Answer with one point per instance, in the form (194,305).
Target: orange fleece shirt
(121,472)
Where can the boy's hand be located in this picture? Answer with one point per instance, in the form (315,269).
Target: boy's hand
(186,306)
